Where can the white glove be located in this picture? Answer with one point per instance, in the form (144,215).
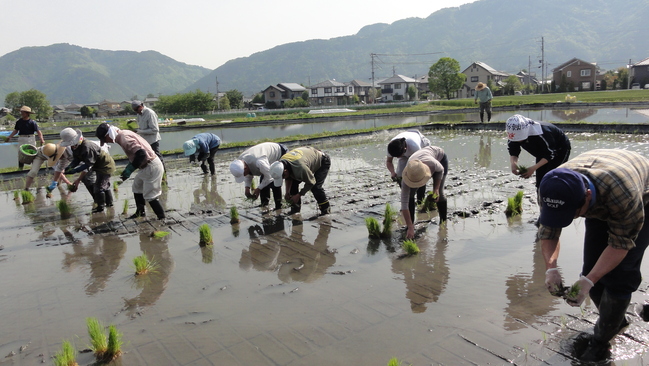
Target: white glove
(554,282)
(578,292)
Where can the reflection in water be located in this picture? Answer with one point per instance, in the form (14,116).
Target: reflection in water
(573,114)
(425,276)
(152,284)
(291,256)
(103,255)
(206,197)
(483,158)
(528,298)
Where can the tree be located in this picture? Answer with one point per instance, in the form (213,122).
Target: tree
(224,103)
(412,92)
(305,95)
(88,111)
(512,84)
(32,98)
(235,97)
(259,98)
(150,95)
(445,78)
(12,101)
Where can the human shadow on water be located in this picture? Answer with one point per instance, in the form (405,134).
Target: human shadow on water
(206,196)
(292,256)
(151,284)
(425,274)
(528,298)
(483,158)
(102,255)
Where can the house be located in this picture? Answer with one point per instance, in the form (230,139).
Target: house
(639,73)
(528,78)
(108,108)
(574,75)
(395,88)
(479,72)
(150,102)
(282,92)
(73,107)
(330,92)
(422,85)
(364,91)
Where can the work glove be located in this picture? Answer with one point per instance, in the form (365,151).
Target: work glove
(553,282)
(192,158)
(578,292)
(52,186)
(127,172)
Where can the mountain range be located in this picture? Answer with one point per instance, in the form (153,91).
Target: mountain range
(508,35)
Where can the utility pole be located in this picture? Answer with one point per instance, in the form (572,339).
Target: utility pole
(372,55)
(542,65)
(218,102)
(628,73)
(529,72)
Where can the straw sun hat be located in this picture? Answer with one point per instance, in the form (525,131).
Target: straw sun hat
(480,86)
(416,174)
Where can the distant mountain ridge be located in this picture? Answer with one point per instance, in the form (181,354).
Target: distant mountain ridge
(68,73)
(505,34)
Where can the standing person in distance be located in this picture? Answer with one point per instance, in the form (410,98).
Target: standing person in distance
(25,127)
(147,127)
(204,145)
(256,161)
(483,93)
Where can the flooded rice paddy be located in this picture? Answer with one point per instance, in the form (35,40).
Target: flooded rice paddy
(302,290)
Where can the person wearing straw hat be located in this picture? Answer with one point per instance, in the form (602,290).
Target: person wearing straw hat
(203,147)
(90,158)
(610,189)
(402,146)
(545,141)
(256,161)
(25,128)
(147,184)
(483,93)
(49,153)
(303,164)
(430,161)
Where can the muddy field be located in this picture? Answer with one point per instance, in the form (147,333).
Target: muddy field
(302,290)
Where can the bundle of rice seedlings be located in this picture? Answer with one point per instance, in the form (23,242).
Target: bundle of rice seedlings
(159,234)
(125,209)
(205,235)
(16,195)
(234,215)
(27,197)
(115,187)
(64,208)
(522,169)
(132,125)
(144,265)
(114,348)
(373,228)
(389,216)
(98,341)
(410,247)
(429,203)
(515,205)
(395,362)
(67,355)
(72,188)
(573,291)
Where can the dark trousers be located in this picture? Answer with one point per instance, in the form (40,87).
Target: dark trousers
(624,279)
(264,194)
(317,190)
(486,106)
(210,161)
(421,192)
(562,157)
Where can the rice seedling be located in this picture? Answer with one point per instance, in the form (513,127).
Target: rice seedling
(64,208)
(158,234)
(429,203)
(573,291)
(98,341)
(410,247)
(144,265)
(72,188)
(207,253)
(205,234)
(514,205)
(234,215)
(114,344)
(395,362)
(125,209)
(16,195)
(27,197)
(67,355)
(115,187)
(522,169)
(373,227)
(389,215)
(253,186)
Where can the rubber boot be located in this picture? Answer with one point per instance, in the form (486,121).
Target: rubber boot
(442,210)
(140,202)
(100,200)
(204,168)
(156,206)
(212,168)
(612,320)
(278,205)
(488,116)
(482,117)
(108,195)
(325,208)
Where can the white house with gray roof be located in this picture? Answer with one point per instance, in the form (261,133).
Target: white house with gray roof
(395,88)
(330,92)
(480,72)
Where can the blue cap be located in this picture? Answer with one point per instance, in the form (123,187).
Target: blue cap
(562,191)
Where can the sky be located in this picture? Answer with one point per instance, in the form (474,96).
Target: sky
(203,33)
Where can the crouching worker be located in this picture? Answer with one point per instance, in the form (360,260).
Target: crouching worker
(610,188)
(147,184)
(49,153)
(424,163)
(402,146)
(256,161)
(89,158)
(204,145)
(303,164)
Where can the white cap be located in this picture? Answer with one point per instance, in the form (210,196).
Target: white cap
(236,168)
(70,137)
(276,172)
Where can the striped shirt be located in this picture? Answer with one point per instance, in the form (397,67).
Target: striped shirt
(621,180)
